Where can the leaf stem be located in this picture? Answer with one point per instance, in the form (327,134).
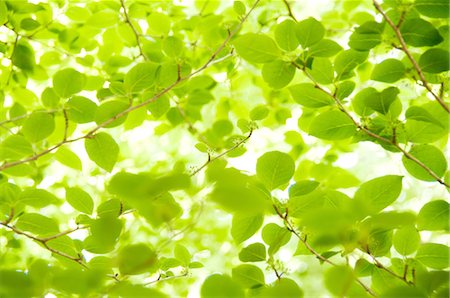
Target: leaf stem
(135,32)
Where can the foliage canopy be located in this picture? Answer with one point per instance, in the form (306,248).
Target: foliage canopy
(224,149)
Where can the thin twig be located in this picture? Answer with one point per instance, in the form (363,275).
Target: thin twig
(135,32)
(138,106)
(211,159)
(291,229)
(370,133)
(161,278)
(288,7)
(410,57)
(381,266)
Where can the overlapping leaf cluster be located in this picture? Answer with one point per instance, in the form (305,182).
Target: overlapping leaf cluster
(85,211)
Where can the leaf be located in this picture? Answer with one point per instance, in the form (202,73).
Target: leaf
(309,32)
(68,81)
(159,107)
(332,125)
(255,252)
(128,290)
(158,23)
(110,208)
(434,216)
(136,259)
(340,281)
(366,36)
(81,109)
(245,225)
(403,291)
(420,33)
(435,61)
(275,236)
(249,276)
(406,240)
(388,71)
(345,89)
(348,60)
(381,101)
(38,126)
(378,193)
(325,48)
(109,110)
(433,8)
(259,112)
(23,56)
(218,285)
(80,200)
(37,198)
(286,36)
(103,19)
(142,76)
(431,157)
(239,7)
(104,234)
(182,254)
(302,188)
(283,287)
(37,224)
(15,147)
(257,48)
(278,73)
(275,169)
(66,157)
(421,114)
(309,96)
(173,46)
(434,255)
(103,150)
(322,71)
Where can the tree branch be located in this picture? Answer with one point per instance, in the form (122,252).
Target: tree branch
(370,133)
(138,106)
(410,57)
(289,9)
(381,266)
(210,160)
(135,32)
(291,229)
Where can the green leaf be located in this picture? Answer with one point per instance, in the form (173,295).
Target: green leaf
(381,101)
(257,48)
(159,107)
(434,216)
(249,276)
(378,193)
(286,36)
(403,291)
(435,61)
(433,255)
(322,71)
(182,254)
(345,89)
(406,240)
(80,200)
(302,188)
(431,157)
(325,48)
(332,125)
(275,169)
(103,19)
(81,109)
(126,290)
(239,7)
(103,150)
(366,36)
(68,81)
(142,76)
(37,224)
(158,23)
(23,56)
(278,73)
(245,225)
(348,60)
(419,33)
(3,13)
(109,110)
(310,32)
(173,46)
(9,193)
(388,71)
(15,147)
(340,281)
(38,126)
(433,8)
(104,234)
(275,236)
(309,96)
(218,285)
(136,259)
(255,252)
(49,97)
(37,198)
(66,157)
(259,112)
(110,208)
(421,114)
(284,287)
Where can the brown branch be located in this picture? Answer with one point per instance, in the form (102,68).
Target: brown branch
(410,57)
(135,32)
(138,106)
(211,159)
(288,7)
(291,229)
(44,241)
(370,133)
(381,266)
